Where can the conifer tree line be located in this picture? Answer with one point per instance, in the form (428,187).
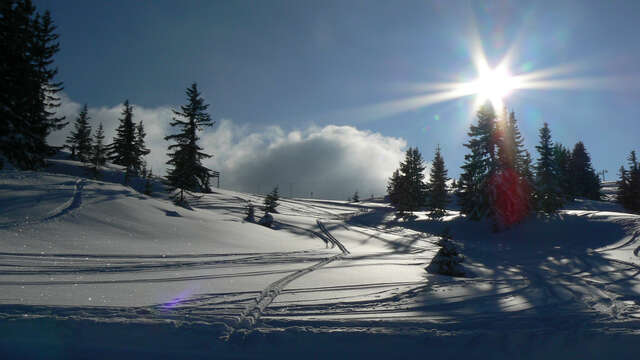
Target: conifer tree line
(28,95)
(499,180)
(407,190)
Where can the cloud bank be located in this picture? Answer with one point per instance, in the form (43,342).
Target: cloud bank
(329,162)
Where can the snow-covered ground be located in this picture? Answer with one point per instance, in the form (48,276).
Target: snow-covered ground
(95,267)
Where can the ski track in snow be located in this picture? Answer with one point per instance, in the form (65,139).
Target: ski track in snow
(568,290)
(73,203)
(250,316)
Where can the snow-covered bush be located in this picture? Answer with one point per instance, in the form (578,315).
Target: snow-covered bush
(266,220)
(447,260)
(249,211)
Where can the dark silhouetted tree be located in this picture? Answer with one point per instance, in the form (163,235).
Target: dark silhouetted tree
(98,151)
(628,193)
(561,164)
(141,148)
(394,188)
(79,140)
(28,95)
(271,201)
(479,165)
(548,194)
(412,189)
(355,197)
(437,197)
(584,181)
(123,150)
(186,172)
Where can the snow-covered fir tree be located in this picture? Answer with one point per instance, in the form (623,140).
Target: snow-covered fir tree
(28,95)
(186,172)
(79,140)
(548,193)
(123,150)
(437,197)
(478,166)
(98,151)
(271,201)
(584,182)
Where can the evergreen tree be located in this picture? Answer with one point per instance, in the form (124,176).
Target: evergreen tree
(394,188)
(561,163)
(629,185)
(79,140)
(141,148)
(355,197)
(98,151)
(437,197)
(123,150)
(28,92)
(584,180)
(412,189)
(522,159)
(271,201)
(526,170)
(623,193)
(187,172)
(479,165)
(548,196)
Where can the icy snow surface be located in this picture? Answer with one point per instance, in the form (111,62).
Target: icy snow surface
(94,257)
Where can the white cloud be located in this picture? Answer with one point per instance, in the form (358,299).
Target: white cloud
(332,161)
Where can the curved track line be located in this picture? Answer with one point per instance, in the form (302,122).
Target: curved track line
(71,204)
(332,239)
(251,314)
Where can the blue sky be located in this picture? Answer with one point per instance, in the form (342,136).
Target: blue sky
(299,64)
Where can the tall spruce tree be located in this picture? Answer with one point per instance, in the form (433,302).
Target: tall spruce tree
(271,201)
(123,150)
(98,151)
(479,165)
(628,193)
(141,150)
(79,140)
(412,191)
(28,93)
(526,169)
(437,197)
(561,163)
(394,187)
(186,172)
(584,181)
(548,194)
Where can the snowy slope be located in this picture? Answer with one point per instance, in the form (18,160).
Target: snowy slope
(98,259)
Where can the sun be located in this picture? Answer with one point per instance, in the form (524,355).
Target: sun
(493,85)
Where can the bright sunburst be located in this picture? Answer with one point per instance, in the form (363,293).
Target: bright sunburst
(493,84)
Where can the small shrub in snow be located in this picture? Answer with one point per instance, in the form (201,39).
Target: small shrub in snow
(250,211)
(447,260)
(266,220)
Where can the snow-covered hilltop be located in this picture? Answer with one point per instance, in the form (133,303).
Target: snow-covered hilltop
(88,265)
